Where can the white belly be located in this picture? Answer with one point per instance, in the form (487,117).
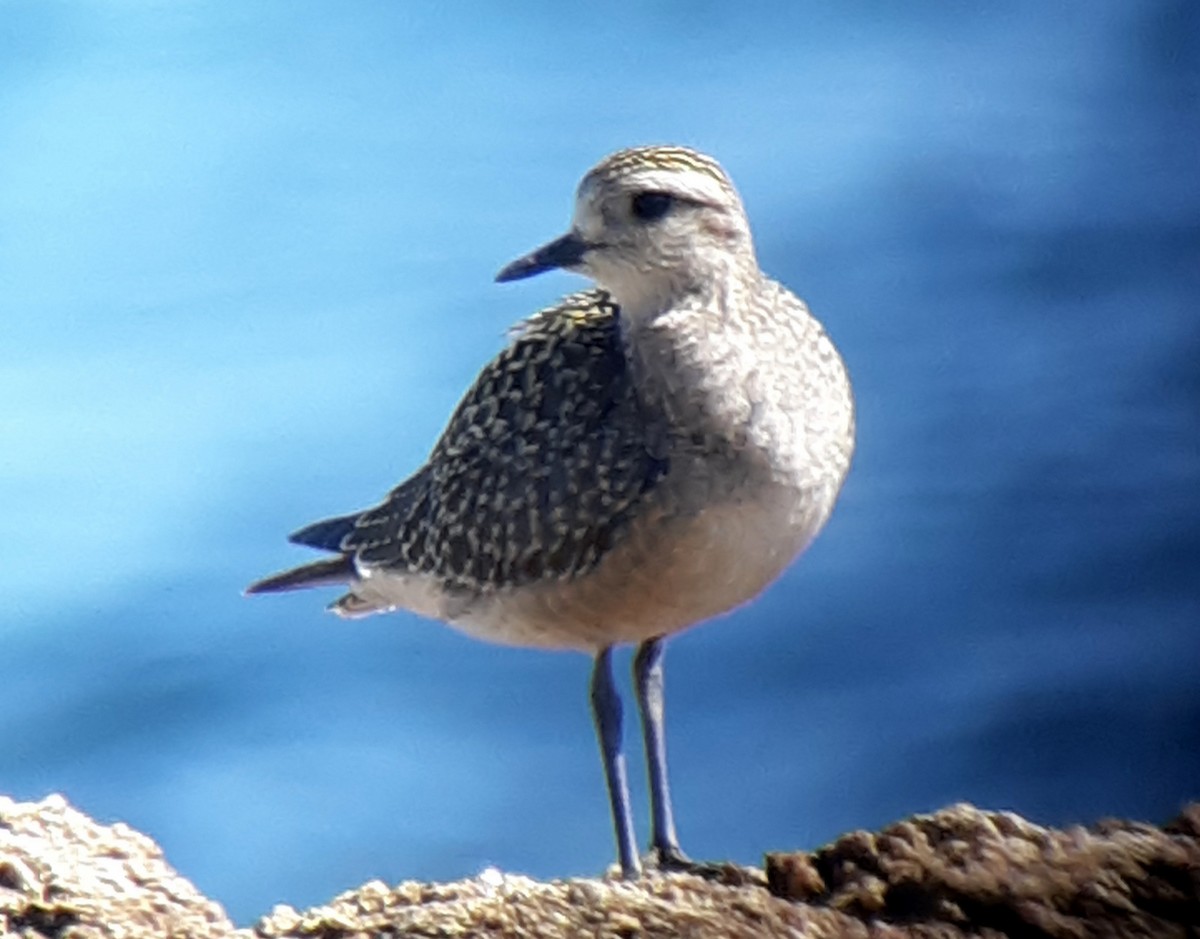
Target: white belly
(669,574)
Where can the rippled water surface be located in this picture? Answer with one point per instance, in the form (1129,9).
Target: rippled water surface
(245,271)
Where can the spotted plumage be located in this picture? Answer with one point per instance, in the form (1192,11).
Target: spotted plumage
(536,476)
(641,457)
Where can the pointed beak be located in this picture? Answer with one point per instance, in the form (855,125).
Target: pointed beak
(567,251)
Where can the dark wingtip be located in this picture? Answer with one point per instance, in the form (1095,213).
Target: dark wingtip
(337,570)
(273,584)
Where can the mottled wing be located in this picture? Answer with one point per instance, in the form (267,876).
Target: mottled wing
(540,469)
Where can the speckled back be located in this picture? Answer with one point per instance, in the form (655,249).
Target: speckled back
(540,469)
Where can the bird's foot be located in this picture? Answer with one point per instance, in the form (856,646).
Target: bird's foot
(671,859)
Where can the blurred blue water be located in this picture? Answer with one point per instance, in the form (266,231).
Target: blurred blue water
(245,263)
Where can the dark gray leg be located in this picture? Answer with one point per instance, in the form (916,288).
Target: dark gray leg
(606,712)
(648,683)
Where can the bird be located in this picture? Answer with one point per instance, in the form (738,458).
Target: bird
(642,456)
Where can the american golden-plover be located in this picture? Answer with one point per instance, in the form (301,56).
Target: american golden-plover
(641,457)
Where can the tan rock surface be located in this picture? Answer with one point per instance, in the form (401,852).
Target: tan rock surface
(63,874)
(957,872)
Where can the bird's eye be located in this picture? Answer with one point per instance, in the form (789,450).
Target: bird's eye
(651,206)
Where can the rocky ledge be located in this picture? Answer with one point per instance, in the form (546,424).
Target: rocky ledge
(956,872)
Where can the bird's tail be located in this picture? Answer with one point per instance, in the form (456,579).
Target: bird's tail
(326,534)
(339,570)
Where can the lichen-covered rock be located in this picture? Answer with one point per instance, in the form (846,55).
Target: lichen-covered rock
(499,905)
(64,875)
(974,871)
(957,872)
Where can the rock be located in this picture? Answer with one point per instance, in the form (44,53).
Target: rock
(968,872)
(63,874)
(957,872)
(499,905)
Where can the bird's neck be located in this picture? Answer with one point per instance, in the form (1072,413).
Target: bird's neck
(693,353)
(683,296)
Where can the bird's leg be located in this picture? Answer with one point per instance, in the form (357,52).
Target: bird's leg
(606,712)
(648,684)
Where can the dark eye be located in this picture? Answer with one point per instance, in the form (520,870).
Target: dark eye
(651,206)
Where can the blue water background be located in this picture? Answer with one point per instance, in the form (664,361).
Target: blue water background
(245,271)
